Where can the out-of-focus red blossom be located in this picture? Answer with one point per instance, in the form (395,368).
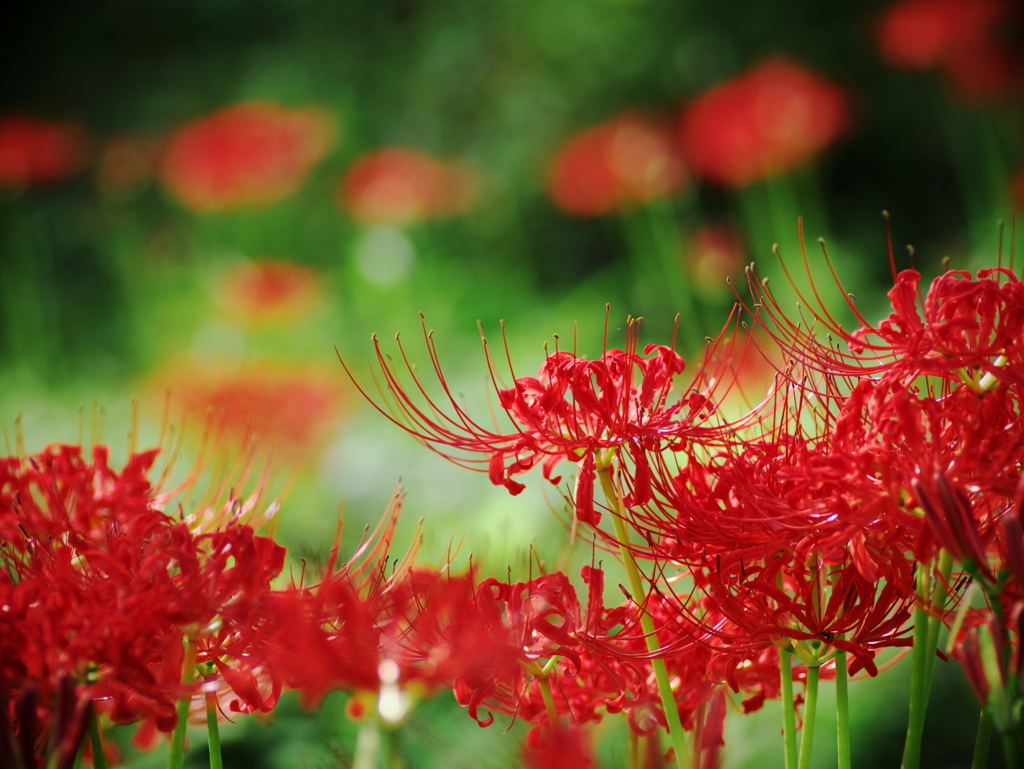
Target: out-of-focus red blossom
(762,123)
(714,254)
(268,292)
(125,163)
(971,41)
(616,165)
(39,153)
(558,746)
(291,408)
(402,186)
(248,155)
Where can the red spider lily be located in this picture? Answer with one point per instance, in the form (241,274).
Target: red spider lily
(101,586)
(960,37)
(248,155)
(291,407)
(762,123)
(619,164)
(38,153)
(577,410)
(558,746)
(398,638)
(403,186)
(267,292)
(966,326)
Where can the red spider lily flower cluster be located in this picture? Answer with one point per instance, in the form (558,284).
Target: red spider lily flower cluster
(39,153)
(401,186)
(933,433)
(249,155)
(616,165)
(816,524)
(765,122)
(970,41)
(102,591)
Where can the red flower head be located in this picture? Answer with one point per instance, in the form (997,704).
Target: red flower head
(960,37)
(762,123)
(404,186)
(249,155)
(268,292)
(37,153)
(619,164)
(582,411)
(291,408)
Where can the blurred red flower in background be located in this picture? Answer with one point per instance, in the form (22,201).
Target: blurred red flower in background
(621,163)
(37,153)
(762,123)
(403,186)
(268,292)
(248,155)
(714,255)
(963,38)
(290,408)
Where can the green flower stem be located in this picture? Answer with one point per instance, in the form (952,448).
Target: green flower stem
(938,599)
(810,714)
(842,713)
(920,675)
(549,701)
(99,758)
(636,587)
(176,755)
(213,731)
(981,742)
(788,706)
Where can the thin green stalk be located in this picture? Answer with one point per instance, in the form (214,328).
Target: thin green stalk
(920,673)
(981,742)
(842,713)
(937,600)
(810,715)
(1010,752)
(99,758)
(176,754)
(549,701)
(636,587)
(213,731)
(788,706)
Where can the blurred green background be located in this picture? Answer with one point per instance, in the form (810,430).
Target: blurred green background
(113,289)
